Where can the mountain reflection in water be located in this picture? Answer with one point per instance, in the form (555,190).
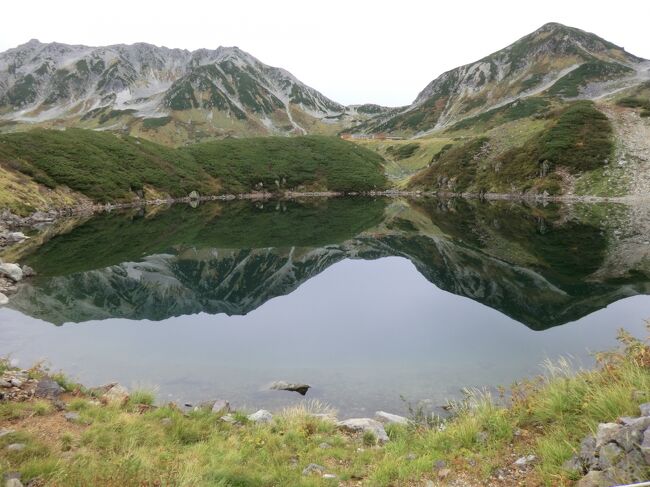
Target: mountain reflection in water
(541,265)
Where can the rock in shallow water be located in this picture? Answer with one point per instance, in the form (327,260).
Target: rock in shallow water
(282,385)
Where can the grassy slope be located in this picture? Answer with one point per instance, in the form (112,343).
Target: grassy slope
(107,167)
(131,445)
(576,139)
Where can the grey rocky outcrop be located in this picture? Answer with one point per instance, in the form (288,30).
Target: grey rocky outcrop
(618,453)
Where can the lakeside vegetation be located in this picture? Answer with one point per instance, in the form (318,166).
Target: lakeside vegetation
(136,443)
(107,167)
(577,140)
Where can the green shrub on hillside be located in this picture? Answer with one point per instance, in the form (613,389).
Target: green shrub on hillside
(107,167)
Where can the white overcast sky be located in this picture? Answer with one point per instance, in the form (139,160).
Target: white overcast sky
(352,51)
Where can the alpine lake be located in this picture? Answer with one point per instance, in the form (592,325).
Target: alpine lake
(377,303)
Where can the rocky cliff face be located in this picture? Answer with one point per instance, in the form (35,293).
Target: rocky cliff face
(143,87)
(555,60)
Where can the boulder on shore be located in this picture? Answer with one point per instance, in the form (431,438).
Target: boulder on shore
(389,418)
(261,416)
(12,271)
(357,425)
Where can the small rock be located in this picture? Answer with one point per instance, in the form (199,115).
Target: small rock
(606,433)
(116,394)
(363,425)
(12,271)
(443,473)
(645,409)
(59,405)
(6,431)
(166,421)
(48,388)
(411,456)
(324,446)
(482,437)
(645,446)
(5,383)
(594,478)
(3,299)
(329,476)
(609,455)
(71,416)
(16,382)
(429,484)
(261,416)
(13,483)
(16,447)
(228,418)
(389,418)
(282,385)
(439,464)
(523,461)
(313,468)
(28,271)
(221,406)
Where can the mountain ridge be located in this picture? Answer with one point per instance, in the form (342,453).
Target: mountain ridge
(584,64)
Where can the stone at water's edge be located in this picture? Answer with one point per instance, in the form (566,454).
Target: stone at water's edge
(48,388)
(363,425)
(3,299)
(116,394)
(12,271)
(389,418)
(221,406)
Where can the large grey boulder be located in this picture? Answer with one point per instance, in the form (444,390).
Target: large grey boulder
(282,385)
(357,425)
(12,271)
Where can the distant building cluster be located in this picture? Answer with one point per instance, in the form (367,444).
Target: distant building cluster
(378,136)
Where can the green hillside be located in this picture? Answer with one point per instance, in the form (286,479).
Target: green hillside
(117,168)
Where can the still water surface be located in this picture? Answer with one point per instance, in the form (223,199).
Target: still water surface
(366,300)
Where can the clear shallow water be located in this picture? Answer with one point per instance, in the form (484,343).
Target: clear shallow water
(360,315)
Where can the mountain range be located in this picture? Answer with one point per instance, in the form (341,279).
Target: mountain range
(140,87)
(559,112)
(207,93)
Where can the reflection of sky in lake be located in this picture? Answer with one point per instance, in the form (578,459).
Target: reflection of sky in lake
(361,332)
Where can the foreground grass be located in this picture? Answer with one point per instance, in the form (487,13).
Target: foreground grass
(137,444)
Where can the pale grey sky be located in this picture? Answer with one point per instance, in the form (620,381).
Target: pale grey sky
(352,51)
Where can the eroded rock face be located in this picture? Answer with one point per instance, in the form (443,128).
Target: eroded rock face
(618,453)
